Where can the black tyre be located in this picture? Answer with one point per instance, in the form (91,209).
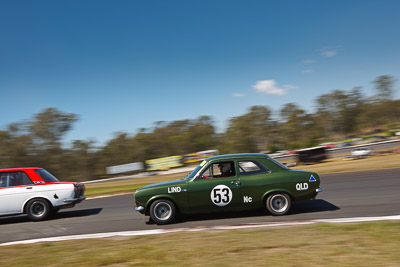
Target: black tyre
(38,209)
(162,211)
(278,204)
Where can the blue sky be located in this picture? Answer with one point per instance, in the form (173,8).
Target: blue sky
(123,65)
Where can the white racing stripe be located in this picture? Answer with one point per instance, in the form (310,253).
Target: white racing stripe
(200,228)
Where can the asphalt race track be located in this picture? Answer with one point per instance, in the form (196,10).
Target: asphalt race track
(356,194)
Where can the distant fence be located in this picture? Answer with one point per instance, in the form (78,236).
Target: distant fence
(164,163)
(331,152)
(137,166)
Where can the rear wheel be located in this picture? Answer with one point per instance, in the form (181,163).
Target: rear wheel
(162,211)
(38,209)
(278,203)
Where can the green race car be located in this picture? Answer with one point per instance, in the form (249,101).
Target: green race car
(228,183)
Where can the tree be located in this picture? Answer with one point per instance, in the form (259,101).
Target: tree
(117,150)
(82,160)
(297,128)
(337,112)
(48,126)
(14,148)
(249,132)
(384,87)
(384,114)
(46,130)
(200,135)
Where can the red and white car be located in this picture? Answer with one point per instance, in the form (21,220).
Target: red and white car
(36,192)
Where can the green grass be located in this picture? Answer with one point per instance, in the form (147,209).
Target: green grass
(109,190)
(362,244)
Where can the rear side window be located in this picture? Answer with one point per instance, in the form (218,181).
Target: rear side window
(17,178)
(251,168)
(46,176)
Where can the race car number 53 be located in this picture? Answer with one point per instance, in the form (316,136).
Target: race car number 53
(221,195)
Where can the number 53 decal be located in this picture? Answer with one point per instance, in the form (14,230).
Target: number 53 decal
(221,195)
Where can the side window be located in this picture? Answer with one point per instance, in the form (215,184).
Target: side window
(4,179)
(219,170)
(251,168)
(8,179)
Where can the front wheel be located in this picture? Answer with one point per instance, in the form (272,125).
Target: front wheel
(162,211)
(278,204)
(38,209)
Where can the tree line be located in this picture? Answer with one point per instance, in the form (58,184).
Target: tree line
(339,114)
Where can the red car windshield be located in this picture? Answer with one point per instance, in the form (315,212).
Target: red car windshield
(46,176)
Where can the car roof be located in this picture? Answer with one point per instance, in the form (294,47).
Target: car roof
(19,169)
(241,155)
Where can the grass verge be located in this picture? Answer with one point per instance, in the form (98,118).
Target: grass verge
(361,244)
(329,166)
(375,162)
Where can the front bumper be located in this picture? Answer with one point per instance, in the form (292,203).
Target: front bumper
(139,209)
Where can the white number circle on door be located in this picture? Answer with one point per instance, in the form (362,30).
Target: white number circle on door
(221,195)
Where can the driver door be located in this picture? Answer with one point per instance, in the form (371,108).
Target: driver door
(211,191)
(15,189)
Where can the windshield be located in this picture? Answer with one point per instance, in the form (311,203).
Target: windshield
(193,173)
(46,176)
(278,163)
